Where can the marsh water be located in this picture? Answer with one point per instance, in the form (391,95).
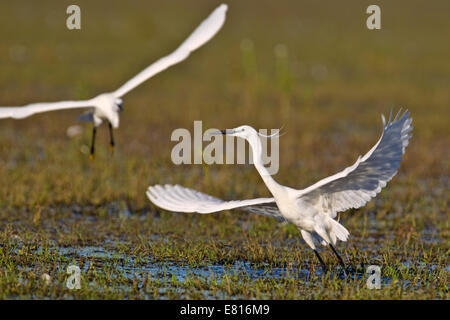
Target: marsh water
(138,270)
(110,261)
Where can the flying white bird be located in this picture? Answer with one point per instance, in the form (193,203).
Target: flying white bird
(314,209)
(107,106)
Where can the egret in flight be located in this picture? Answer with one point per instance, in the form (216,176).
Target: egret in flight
(313,209)
(107,106)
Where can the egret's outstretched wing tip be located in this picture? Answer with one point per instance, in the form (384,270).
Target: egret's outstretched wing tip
(202,34)
(354,186)
(223,7)
(180,199)
(39,107)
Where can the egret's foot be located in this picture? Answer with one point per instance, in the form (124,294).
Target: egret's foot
(91,157)
(111,149)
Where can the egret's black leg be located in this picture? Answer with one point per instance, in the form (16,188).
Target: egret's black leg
(111,138)
(321,261)
(338,256)
(94,131)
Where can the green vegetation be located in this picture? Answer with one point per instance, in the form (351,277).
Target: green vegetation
(312,67)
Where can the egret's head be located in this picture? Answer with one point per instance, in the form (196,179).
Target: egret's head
(245,132)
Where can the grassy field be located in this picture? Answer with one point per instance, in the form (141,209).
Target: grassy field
(311,66)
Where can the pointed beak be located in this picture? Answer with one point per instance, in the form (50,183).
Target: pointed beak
(226,131)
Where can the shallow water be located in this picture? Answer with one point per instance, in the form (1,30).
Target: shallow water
(128,267)
(109,259)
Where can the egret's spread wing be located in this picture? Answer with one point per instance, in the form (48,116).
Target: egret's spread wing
(204,32)
(180,199)
(357,184)
(30,109)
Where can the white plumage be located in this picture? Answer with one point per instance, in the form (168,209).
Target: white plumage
(354,186)
(202,34)
(180,199)
(33,108)
(313,210)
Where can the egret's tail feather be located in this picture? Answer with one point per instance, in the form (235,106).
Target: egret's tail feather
(339,230)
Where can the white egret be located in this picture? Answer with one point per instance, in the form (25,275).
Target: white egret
(107,106)
(313,209)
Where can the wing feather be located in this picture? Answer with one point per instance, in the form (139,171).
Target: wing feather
(180,199)
(356,185)
(30,109)
(202,34)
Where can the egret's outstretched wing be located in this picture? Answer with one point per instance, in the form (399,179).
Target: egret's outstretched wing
(30,109)
(357,184)
(204,32)
(180,199)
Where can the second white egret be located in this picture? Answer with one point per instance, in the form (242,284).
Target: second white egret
(107,106)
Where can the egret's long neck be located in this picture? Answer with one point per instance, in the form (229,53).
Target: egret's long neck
(272,185)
